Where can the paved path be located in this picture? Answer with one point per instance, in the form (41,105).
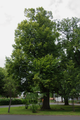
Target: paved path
(11,106)
(23,105)
(36,117)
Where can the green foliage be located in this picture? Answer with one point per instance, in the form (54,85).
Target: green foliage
(10,86)
(69,29)
(2,76)
(16,101)
(26,104)
(46,54)
(31,99)
(5,101)
(69,42)
(34,108)
(71,81)
(35,38)
(46,71)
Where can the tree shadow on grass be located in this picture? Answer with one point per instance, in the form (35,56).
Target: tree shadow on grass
(62,108)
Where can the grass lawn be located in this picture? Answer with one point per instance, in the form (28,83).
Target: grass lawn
(55,110)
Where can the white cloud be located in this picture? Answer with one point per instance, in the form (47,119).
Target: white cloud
(56,6)
(2,61)
(52,2)
(65,8)
(74,6)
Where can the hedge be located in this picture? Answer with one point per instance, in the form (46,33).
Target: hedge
(5,101)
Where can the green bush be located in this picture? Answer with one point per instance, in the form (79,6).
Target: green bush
(78,102)
(30,101)
(34,108)
(33,101)
(26,102)
(5,101)
(16,101)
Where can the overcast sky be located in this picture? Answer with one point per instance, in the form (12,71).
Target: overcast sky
(12,13)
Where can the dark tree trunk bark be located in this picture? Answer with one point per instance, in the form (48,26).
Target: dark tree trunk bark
(9,105)
(45,103)
(66,101)
(62,99)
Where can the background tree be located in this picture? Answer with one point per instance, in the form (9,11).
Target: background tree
(71,81)
(10,87)
(69,39)
(77,46)
(2,76)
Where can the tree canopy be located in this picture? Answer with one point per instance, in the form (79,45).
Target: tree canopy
(35,38)
(42,51)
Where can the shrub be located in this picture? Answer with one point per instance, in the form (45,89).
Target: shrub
(5,101)
(26,102)
(16,101)
(34,108)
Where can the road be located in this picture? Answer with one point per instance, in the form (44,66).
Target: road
(37,117)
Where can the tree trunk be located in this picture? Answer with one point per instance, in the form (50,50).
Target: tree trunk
(9,105)
(66,101)
(45,103)
(62,99)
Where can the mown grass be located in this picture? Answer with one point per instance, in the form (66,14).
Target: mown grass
(55,110)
